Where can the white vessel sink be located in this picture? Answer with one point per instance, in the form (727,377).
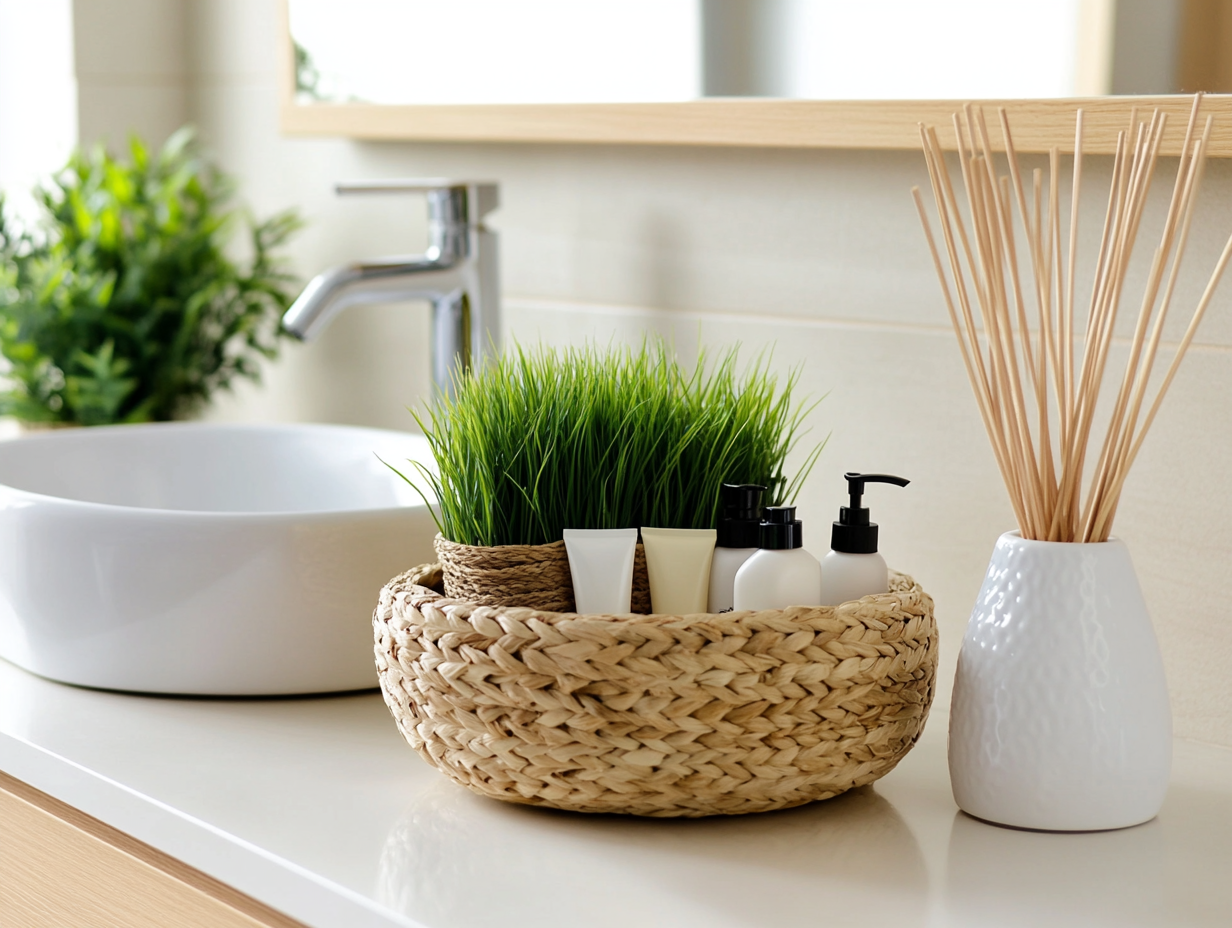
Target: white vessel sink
(198,558)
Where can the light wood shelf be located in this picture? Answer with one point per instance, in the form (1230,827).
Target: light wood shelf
(1037,125)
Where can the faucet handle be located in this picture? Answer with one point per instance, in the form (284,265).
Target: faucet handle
(452,202)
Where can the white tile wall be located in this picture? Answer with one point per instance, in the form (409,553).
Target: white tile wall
(816,253)
(131,39)
(114,111)
(133,69)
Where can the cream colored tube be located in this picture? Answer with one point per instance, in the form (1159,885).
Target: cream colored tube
(678,561)
(601,564)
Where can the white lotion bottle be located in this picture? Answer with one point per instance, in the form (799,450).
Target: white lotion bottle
(781,573)
(853,568)
(739,533)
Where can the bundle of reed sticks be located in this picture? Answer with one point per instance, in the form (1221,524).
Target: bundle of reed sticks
(1038,374)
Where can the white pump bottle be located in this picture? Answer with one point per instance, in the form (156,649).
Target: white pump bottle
(781,573)
(738,535)
(853,568)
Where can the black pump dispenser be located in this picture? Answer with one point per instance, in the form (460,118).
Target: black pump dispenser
(740,524)
(853,533)
(780,529)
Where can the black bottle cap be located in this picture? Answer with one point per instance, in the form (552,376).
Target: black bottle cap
(780,529)
(740,523)
(853,533)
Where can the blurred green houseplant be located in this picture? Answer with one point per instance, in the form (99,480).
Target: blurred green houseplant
(126,306)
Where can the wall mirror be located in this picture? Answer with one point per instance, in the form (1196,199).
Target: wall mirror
(817,73)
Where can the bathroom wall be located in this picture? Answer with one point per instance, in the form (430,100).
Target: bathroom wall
(814,254)
(133,69)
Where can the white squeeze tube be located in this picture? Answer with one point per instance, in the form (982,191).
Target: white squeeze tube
(678,562)
(601,564)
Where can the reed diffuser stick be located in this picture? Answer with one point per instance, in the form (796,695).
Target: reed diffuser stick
(1039,381)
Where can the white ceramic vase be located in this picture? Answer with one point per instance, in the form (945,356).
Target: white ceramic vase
(1060,718)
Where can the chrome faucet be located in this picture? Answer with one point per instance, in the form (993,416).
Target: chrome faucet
(458,274)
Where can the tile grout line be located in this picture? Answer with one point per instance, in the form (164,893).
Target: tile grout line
(715,316)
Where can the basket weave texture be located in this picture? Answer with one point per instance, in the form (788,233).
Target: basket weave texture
(658,715)
(534,576)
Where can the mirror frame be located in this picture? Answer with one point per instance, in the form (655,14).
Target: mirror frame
(1038,125)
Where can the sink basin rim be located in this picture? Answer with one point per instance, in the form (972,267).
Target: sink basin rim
(76,435)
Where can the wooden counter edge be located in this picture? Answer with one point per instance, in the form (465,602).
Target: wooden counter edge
(60,866)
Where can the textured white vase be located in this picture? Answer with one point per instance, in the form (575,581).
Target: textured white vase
(1060,718)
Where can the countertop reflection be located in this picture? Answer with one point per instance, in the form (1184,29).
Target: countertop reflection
(567,869)
(318,808)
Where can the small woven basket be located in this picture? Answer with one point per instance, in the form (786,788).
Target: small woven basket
(656,714)
(534,576)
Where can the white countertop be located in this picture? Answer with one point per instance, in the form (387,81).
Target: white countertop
(318,808)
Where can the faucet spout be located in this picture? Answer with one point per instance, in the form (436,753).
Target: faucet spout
(458,274)
(381,280)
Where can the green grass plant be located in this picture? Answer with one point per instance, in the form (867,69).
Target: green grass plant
(547,439)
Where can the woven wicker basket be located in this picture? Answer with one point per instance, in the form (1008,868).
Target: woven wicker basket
(657,715)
